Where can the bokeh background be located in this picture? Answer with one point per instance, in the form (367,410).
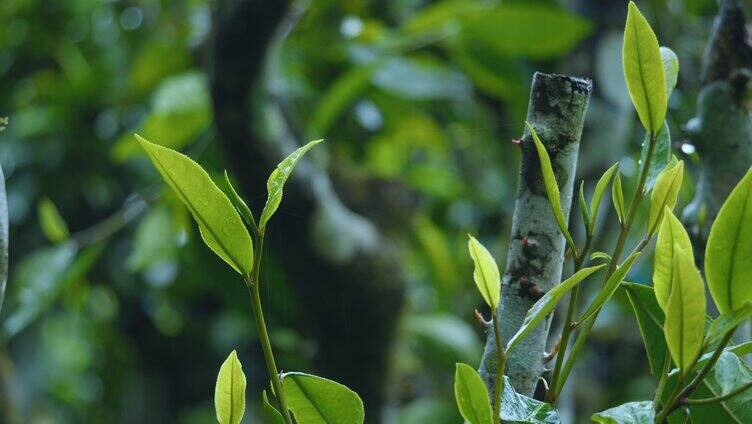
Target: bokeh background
(117,312)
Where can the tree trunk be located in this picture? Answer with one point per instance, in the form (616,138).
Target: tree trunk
(536,248)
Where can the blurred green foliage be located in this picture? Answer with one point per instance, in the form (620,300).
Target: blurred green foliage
(129,317)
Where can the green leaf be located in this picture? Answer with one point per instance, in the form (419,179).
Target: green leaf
(528,30)
(53,225)
(628,413)
(610,287)
(219,222)
(600,189)
(728,254)
(670,69)
(584,208)
(520,409)
(617,196)
(727,322)
(650,320)
(316,400)
(239,203)
(685,312)
(471,395)
(730,373)
(643,70)
(600,255)
(229,393)
(664,194)
(661,154)
(277,180)
(671,236)
(486,273)
(271,412)
(546,304)
(552,189)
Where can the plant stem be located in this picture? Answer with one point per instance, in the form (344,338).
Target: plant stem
(253,288)
(568,328)
(587,326)
(677,399)
(721,398)
(500,365)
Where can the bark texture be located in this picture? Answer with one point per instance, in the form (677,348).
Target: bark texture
(721,131)
(536,251)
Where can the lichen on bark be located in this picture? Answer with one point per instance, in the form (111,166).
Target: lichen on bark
(536,250)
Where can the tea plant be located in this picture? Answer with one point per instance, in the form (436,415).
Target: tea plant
(228,228)
(683,345)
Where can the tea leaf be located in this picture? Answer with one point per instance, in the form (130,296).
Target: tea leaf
(317,400)
(643,70)
(617,196)
(486,273)
(672,236)
(664,194)
(229,393)
(471,395)
(271,412)
(277,181)
(552,189)
(685,312)
(728,254)
(218,221)
(546,304)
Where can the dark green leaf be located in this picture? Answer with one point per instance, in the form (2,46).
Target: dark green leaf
(628,413)
(650,320)
(661,154)
(520,409)
(727,322)
(271,412)
(239,203)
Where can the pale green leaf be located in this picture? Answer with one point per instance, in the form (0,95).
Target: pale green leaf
(600,255)
(600,189)
(617,196)
(628,413)
(546,304)
(643,70)
(727,322)
(670,68)
(471,395)
(671,236)
(277,180)
(272,414)
(240,205)
(685,312)
(317,400)
(664,194)
(728,254)
(486,273)
(552,189)
(585,213)
(219,223)
(229,393)
(610,287)
(53,225)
